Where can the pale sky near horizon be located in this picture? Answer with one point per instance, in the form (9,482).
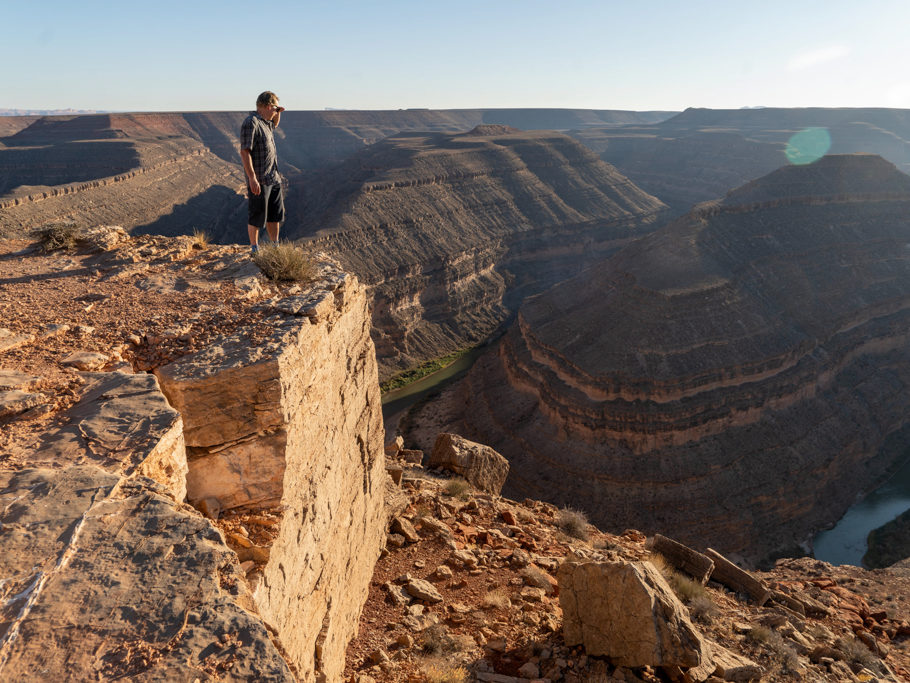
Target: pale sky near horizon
(660,55)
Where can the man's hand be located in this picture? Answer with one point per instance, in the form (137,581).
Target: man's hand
(254,186)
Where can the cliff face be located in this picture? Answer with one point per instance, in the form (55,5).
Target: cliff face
(274,431)
(735,378)
(447,229)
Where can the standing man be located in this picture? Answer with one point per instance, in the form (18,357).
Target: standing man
(260,163)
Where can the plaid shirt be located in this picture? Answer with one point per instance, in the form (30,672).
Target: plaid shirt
(256,135)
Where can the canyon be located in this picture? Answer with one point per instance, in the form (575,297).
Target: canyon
(733,377)
(736,378)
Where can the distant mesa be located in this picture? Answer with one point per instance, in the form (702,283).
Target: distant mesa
(735,378)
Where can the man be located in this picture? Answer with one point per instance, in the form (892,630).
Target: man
(260,163)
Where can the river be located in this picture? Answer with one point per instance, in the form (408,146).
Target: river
(845,543)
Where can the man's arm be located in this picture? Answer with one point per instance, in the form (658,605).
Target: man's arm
(250,173)
(277,117)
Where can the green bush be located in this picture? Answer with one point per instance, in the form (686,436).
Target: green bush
(457,488)
(285,261)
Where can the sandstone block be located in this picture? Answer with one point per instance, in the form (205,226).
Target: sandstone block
(15,402)
(628,612)
(480,465)
(412,456)
(406,529)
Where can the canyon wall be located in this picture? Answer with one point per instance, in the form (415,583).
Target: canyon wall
(449,231)
(734,379)
(109,573)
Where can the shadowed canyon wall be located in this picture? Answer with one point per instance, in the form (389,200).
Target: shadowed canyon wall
(734,379)
(449,230)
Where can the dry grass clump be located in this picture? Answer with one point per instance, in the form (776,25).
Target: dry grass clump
(437,640)
(534,576)
(686,589)
(200,239)
(457,488)
(856,652)
(438,670)
(496,599)
(285,261)
(54,236)
(573,523)
(703,609)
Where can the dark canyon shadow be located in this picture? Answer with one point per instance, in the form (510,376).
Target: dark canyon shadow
(219,211)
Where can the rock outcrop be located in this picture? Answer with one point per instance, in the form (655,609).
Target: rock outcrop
(628,612)
(109,573)
(734,380)
(292,423)
(449,231)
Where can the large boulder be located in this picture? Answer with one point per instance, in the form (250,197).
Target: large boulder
(480,465)
(628,612)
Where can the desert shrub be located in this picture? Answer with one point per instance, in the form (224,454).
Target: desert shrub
(437,640)
(573,523)
(534,576)
(496,599)
(284,261)
(200,239)
(856,652)
(438,670)
(703,609)
(759,634)
(457,488)
(54,236)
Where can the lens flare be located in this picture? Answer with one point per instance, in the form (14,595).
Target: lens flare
(808,146)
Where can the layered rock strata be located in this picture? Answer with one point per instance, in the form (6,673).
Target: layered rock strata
(105,573)
(450,230)
(292,423)
(734,380)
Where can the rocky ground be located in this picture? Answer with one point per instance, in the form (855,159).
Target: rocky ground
(114,302)
(467,590)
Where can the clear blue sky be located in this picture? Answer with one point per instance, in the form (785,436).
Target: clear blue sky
(205,55)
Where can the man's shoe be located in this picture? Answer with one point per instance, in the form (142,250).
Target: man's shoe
(253,248)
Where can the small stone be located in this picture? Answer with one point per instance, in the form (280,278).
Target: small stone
(84,330)
(393,446)
(420,564)
(210,507)
(406,529)
(395,540)
(423,590)
(404,641)
(378,656)
(529,670)
(442,572)
(135,339)
(395,473)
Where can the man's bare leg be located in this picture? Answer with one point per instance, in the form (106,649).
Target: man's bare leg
(272,229)
(254,235)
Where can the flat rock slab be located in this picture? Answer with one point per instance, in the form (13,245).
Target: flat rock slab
(86,360)
(11,379)
(124,424)
(10,340)
(111,578)
(15,402)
